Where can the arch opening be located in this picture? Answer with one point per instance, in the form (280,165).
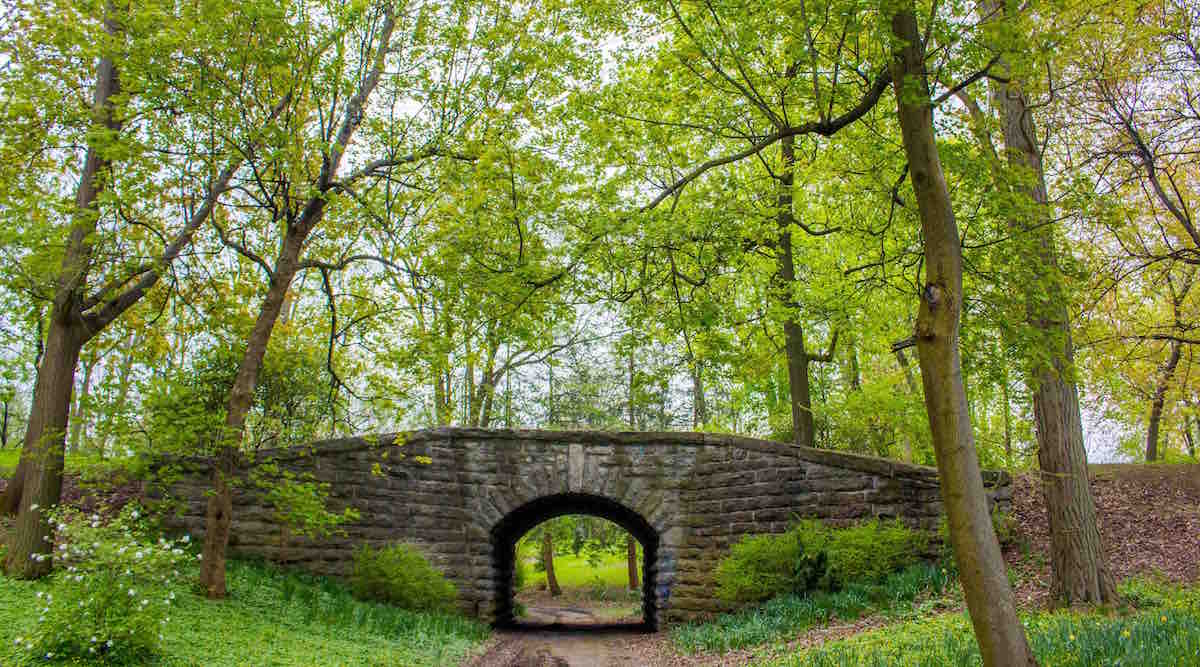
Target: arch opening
(517,523)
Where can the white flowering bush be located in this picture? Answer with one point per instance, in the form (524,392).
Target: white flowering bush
(111,591)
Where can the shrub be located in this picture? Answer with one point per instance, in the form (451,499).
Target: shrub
(868,551)
(111,590)
(401,576)
(758,567)
(812,556)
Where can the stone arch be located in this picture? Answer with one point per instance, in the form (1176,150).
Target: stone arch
(508,530)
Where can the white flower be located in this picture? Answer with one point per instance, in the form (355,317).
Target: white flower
(135,514)
(171,596)
(17,641)
(132,592)
(91,649)
(40,594)
(145,602)
(93,639)
(138,555)
(187,538)
(49,655)
(108,643)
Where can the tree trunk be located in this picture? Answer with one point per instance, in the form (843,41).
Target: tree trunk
(1188,437)
(1165,372)
(631,561)
(1004,392)
(1079,567)
(4,428)
(548,561)
(699,405)
(989,597)
(77,418)
(632,414)
(218,516)
(797,357)
(43,449)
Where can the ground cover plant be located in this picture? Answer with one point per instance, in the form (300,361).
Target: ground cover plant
(1163,631)
(915,590)
(272,618)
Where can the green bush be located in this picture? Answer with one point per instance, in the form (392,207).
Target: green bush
(110,592)
(401,576)
(812,556)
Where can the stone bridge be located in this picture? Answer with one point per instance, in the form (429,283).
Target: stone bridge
(465,496)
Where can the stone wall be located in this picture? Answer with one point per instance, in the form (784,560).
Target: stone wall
(463,496)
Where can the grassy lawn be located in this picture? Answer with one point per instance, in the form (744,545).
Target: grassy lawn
(277,619)
(611,574)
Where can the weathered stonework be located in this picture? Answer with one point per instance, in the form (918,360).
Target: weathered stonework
(685,496)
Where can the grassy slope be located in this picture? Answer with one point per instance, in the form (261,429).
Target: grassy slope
(275,619)
(1165,632)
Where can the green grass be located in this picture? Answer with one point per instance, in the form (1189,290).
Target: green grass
(1166,634)
(786,616)
(279,619)
(576,572)
(74,463)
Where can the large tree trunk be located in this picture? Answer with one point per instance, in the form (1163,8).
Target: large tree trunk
(1165,372)
(548,561)
(1079,567)
(43,449)
(631,561)
(977,552)
(218,516)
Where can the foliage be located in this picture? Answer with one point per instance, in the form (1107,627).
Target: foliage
(301,504)
(787,615)
(812,556)
(400,575)
(112,591)
(1161,636)
(273,617)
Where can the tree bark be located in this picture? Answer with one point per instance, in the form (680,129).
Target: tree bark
(631,561)
(803,430)
(4,427)
(548,561)
(699,404)
(44,448)
(1078,564)
(77,419)
(989,597)
(1165,372)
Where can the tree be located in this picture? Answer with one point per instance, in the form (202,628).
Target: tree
(1079,566)
(981,568)
(101,275)
(548,563)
